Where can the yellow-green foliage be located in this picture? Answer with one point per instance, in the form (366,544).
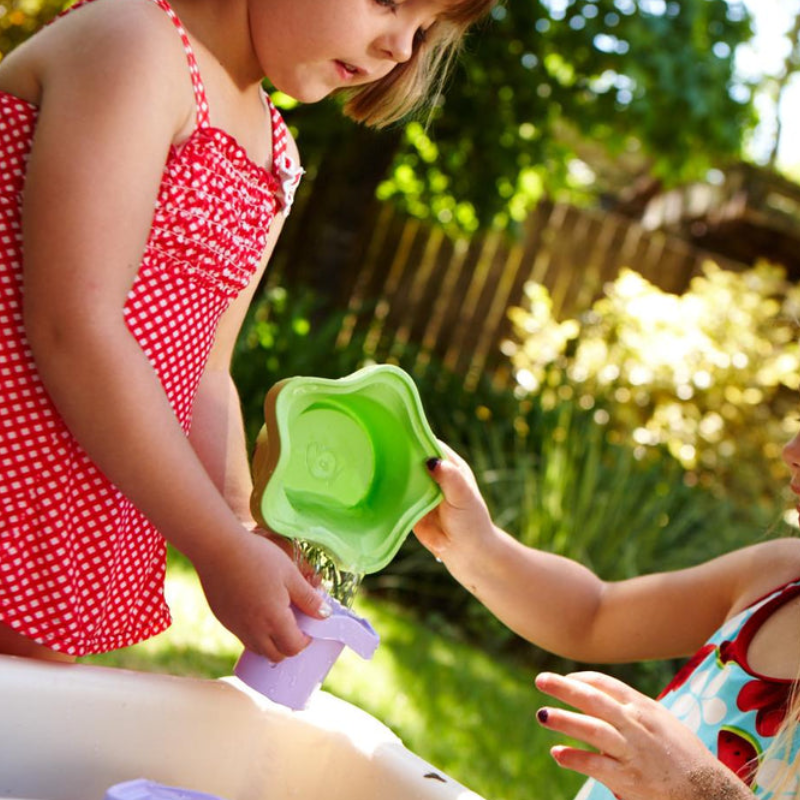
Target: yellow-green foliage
(711,374)
(20,18)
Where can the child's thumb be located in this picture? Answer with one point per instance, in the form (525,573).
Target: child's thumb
(455,485)
(308,600)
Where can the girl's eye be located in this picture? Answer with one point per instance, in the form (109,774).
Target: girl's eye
(392,4)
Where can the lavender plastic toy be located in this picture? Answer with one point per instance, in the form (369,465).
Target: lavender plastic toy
(292,681)
(142,789)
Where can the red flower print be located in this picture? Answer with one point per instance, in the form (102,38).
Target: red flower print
(685,672)
(728,651)
(770,701)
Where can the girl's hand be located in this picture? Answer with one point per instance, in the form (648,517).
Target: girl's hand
(644,752)
(461,519)
(251,592)
(306,569)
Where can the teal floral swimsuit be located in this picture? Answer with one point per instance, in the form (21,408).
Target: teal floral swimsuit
(734,710)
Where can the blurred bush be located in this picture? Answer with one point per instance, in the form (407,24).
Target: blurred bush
(711,375)
(20,18)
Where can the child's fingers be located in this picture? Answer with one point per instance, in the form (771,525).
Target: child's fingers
(307,599)
(595,732)
(592,765)
(588,682)
(582,695)
(451,454)
(429,532)
(454,479)
(267,648)
(285,640)
(611,686)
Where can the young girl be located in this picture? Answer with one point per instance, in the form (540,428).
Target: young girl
(145,179)
(724,729)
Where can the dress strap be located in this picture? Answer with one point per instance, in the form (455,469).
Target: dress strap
(194,70)
(280,135)
(284,167)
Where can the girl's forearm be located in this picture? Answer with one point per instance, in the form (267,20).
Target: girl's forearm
(218,438)
(113,403)
(545,598)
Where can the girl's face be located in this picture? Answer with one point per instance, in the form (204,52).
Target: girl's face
(310,48)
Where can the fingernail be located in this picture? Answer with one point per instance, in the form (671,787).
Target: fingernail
(433,463)
(542,715)
(325,610)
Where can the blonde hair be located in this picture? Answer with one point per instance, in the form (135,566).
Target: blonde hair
(787,782)
(409,85)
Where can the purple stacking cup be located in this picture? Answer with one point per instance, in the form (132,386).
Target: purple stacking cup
(292,681)
(142,789)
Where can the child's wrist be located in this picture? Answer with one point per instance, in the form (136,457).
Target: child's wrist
(468,558)
(213,547)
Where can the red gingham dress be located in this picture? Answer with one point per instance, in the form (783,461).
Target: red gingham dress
(81,569)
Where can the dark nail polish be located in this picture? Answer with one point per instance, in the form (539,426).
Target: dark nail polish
(433,463)
(542,714)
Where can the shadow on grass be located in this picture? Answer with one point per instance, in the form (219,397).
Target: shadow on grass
(469,714)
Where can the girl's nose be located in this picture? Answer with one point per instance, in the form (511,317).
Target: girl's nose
(398,44)
(791,452)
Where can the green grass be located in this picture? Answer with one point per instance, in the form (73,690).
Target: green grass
(466,712)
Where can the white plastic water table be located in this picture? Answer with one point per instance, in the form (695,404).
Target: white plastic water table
(71,731)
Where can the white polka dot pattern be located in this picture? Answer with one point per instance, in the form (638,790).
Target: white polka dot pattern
(81,569)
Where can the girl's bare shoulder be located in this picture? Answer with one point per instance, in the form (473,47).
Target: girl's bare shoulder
(113,44)
(766,566)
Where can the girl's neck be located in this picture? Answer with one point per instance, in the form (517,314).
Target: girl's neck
(222,28)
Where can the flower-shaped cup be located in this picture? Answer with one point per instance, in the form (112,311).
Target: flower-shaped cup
(341,463)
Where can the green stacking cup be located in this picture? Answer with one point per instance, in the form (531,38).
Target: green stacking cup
(341,463)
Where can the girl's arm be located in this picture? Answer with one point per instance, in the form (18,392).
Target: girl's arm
(218,438)
(565,608)
(217,433)
(115,94)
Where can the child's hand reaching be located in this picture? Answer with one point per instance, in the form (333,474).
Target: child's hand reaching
(461,521)
(643,751)
(250,592)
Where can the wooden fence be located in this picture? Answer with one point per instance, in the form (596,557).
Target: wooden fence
(415,285)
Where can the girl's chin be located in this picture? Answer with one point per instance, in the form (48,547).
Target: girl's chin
(305,93)
(307,98)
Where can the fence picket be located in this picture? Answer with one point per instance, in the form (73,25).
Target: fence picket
(450,297)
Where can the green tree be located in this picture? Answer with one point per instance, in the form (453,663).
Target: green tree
(543,88)
(642,83)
